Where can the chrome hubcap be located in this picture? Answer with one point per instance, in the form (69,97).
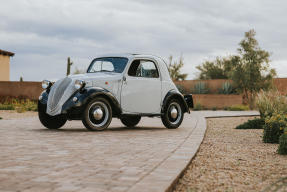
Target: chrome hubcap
(98,114)
(173,112)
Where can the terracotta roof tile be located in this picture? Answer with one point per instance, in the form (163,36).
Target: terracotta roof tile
(2,52)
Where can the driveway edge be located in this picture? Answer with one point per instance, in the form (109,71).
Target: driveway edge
(166,175)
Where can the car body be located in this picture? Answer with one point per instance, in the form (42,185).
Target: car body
(125,86)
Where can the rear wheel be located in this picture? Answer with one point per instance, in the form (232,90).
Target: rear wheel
(97,115)
(131,121)
(173,114)
(51,122)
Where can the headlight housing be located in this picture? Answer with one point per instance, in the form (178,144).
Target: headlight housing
(46,84)
(79,84)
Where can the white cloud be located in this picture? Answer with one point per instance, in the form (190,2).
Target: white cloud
(44,33)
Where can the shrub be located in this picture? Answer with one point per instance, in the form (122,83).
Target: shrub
(214,108)
(198,107)
(1,118)
(6,106)
(271,102)
(273,128)
(282,149)
(200,88)
(238,108)
(20,105)
(226,88)
(256,123)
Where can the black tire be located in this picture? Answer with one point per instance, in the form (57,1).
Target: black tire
(167,119)
(51,122)
(89,119)
(131,121)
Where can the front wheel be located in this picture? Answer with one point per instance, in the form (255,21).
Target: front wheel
(131,121)
(97,115)
(173,114)
(51,122)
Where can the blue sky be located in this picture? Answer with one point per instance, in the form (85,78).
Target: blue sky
(42,34)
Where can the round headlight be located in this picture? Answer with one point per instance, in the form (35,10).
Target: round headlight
(79,84)
(46,84)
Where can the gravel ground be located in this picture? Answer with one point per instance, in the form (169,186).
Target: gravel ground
(233,160)
(7,114)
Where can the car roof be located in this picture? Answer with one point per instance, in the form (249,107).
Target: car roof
(162,64)
(131,55)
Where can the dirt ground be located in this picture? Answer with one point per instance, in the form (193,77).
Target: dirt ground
(10,114)
(233,160)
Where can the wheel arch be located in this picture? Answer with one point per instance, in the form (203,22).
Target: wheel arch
(173,94)
(88,94)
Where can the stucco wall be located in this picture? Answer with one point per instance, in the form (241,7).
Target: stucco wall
(29,90)
(32,90)
(281,85)
(215,84)
(212,85)
(4,68)
(218,101)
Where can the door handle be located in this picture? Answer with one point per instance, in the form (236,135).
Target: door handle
(124,80)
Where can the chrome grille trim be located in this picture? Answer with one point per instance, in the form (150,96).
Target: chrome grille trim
(60,92)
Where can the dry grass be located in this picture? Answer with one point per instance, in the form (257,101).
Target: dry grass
(233,160)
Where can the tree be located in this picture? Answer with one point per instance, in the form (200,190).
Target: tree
(174,69)
(218,69)
(251,71)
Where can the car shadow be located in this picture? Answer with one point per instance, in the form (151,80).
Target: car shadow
(111,129)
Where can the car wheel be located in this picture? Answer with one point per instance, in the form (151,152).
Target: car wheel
(131,121)
(51,122)
(173,114)
(97,115)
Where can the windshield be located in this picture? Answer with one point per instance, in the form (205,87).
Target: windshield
(108,64)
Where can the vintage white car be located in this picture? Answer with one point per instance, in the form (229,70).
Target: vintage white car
(126,86)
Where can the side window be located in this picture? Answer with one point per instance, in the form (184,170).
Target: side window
(143,68)
(148,69)
(134,68)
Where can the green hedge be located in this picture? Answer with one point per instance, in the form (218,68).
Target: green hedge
(257,123)
(273,128)
(282,149)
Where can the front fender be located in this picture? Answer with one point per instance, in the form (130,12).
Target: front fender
(43,99)
(86,95)
(174,94)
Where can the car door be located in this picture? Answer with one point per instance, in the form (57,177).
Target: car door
(141,88)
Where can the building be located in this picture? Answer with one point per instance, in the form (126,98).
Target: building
(5,65)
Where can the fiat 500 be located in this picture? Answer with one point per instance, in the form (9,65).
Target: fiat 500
(121,86)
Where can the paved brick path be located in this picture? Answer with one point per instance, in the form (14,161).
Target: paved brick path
(146,158)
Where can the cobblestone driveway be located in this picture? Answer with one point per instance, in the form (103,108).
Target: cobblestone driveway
(72,159)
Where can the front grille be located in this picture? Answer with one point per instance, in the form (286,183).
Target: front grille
(59,93)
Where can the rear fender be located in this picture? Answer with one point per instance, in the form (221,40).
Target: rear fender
(173,94)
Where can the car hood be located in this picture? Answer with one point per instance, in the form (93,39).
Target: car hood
(64,88)
(91,78)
